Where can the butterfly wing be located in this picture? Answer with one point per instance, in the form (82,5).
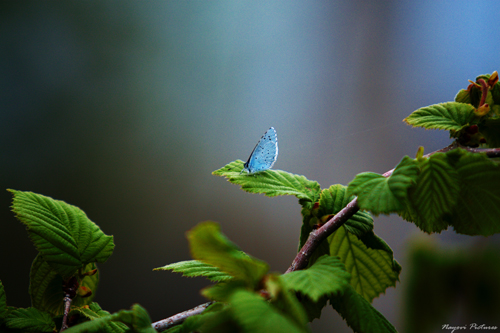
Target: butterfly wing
(264,154)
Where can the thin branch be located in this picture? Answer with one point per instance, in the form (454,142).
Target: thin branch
(69,288)
(179,318)
(315,238)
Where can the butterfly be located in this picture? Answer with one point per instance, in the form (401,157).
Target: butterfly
(264,154)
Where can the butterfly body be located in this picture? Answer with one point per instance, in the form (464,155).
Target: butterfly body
(264,154)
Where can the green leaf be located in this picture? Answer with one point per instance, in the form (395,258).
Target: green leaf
(285,300)
(216,318)
(46,287)
(330,202)
(221,291)
(490,128)
(62,233)
(3,303)
(210,246)
(435,194)
(30,320)
(382,195)
(463,97)
(136,319)
(192,268)
(93,312)
(359,314)
(327,276)
(333,200)
(450,116)
(495,93)
(369,260)
(254,314)
(270,182)
(478,207)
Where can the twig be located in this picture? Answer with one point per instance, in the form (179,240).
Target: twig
(69,289)
(315,238)
(179,318)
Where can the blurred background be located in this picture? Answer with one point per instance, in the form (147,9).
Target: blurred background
(125,108)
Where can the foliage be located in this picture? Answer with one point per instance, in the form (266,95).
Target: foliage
(348,265)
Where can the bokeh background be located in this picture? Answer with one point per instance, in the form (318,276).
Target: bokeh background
(125,108)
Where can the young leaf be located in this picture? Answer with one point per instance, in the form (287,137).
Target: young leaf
(450,116)
(93,311)
(382,195)
(478,207)
(333,200)
(327,276)
(359,314)
(62,233)
(369,260)
(435,194)
(3,303)
(46,287)
(270,182)
(210,246)
(192,268)
(254,314)
(137,319)
(30,320)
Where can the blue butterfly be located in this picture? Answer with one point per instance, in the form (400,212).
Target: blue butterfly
(264,154)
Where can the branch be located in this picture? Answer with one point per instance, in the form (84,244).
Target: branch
(316,237)
(179,318)
(69,288)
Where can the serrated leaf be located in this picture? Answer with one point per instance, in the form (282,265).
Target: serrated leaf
(450,116)
(490,128)
(478,207)
(93,312)
(334,199)
(381,195)
(369,261)
(210,246)
(3,303)
(254,314)
(270,182)
(136,319)
(62,233)
(192,268)
(46,287)
(327,276)
(359,314)
(435,194)
(30,320)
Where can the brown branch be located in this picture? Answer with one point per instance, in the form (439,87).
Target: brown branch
(69,288)
(179,318)
(316,237)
